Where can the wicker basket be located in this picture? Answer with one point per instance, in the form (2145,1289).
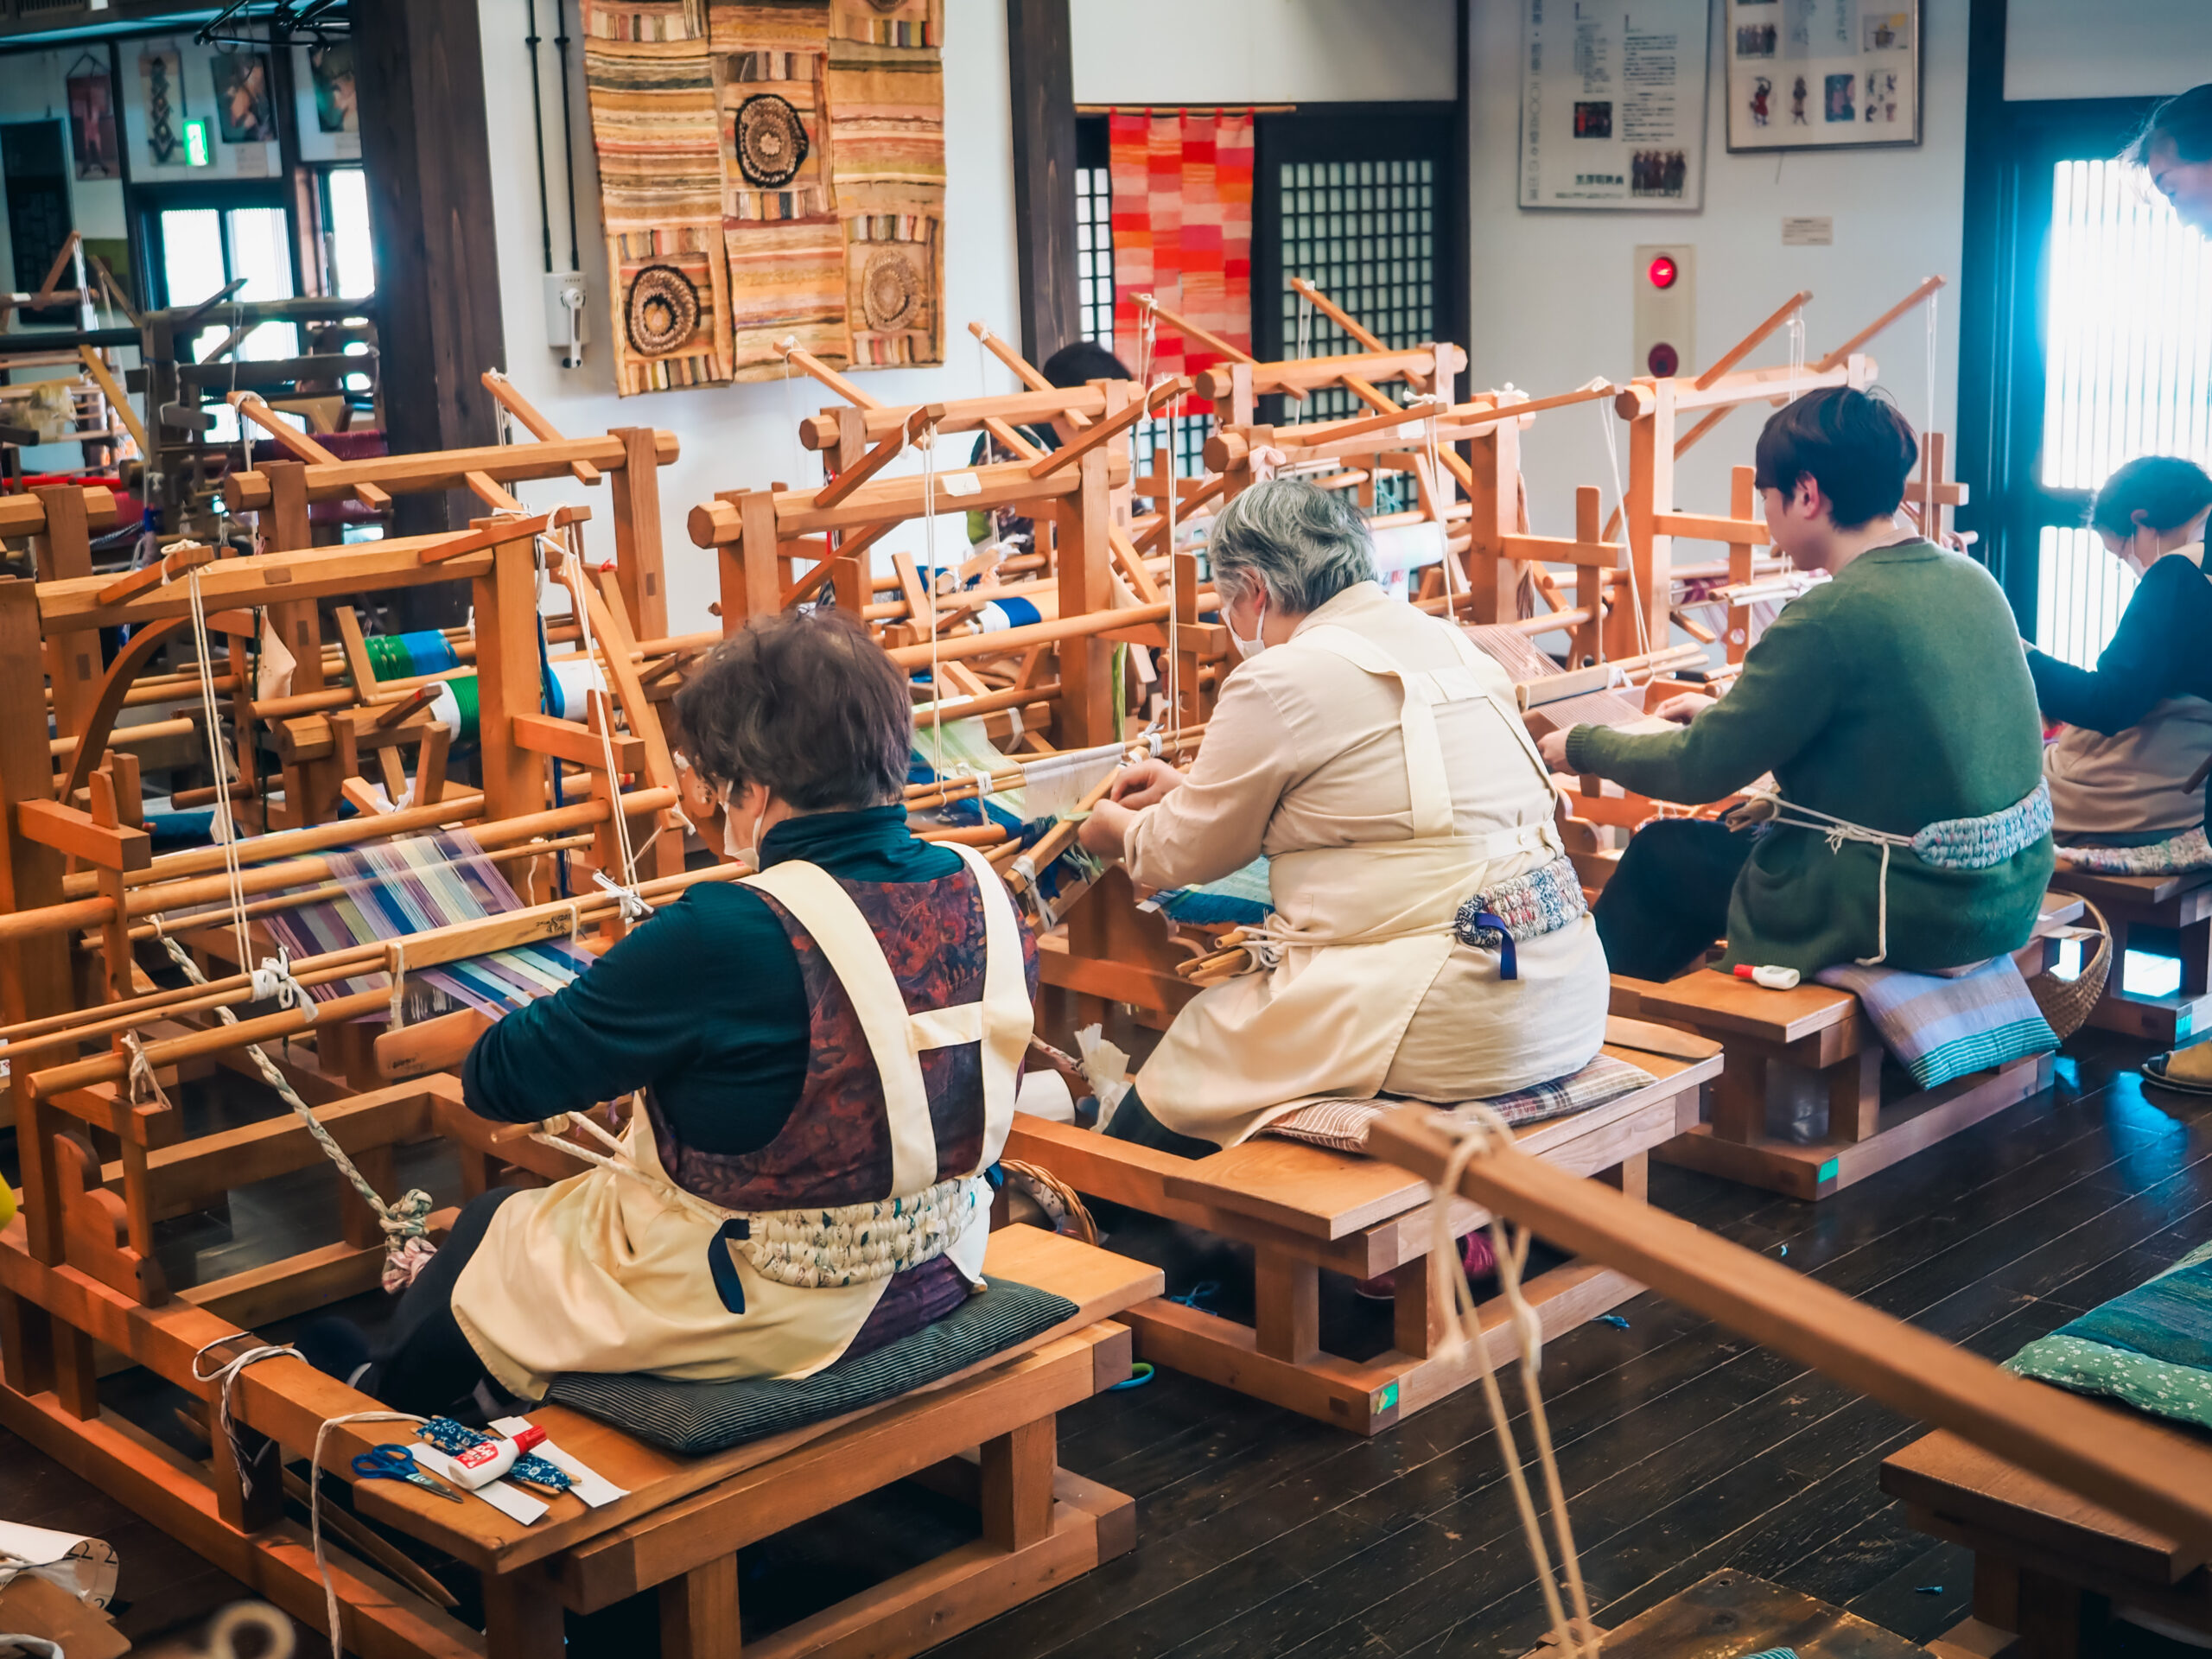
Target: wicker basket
(2066,1002)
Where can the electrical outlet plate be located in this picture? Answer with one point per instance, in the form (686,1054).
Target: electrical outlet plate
(1664,316)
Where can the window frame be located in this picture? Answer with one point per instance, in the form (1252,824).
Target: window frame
(150,201)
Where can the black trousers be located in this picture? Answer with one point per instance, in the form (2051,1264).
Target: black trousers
(1134,1123)
(1668,899)
(421,1362)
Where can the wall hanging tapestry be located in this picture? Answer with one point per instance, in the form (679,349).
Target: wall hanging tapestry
(768,171)
(1183,229)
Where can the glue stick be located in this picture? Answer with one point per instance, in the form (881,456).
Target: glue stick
(486,1460)
(1775,979)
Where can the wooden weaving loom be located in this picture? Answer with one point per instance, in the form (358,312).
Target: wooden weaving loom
(2148,1478)
(78,1265)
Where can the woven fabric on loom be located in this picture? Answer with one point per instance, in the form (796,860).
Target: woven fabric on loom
(648,74)
(394,889)
(1182,231)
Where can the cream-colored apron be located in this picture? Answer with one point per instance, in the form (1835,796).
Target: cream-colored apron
(1362,931)
(608,1271)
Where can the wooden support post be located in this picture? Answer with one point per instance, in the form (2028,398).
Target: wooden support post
(1415,1327)
(522,1615)
(1589,634)
(699,1612)
(72,659)
(1495,495)
(750,584)
(638,557)
(1742,500)
(1642,614)
(1287,1307)
(508,684)
(1016,1487)
(1087,715)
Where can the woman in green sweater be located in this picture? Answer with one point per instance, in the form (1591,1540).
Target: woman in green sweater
(1889,699)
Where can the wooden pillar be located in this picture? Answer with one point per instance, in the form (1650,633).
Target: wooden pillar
(73,660)
(1040,66)
(1650,493)
(507,679)
(419,66)
(1496,455)
(638,560)
(699,1612)
(1743,500)
(749,570)
(1085,589)
(1016,1484)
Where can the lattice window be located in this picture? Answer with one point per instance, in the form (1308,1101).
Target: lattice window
(1364,233)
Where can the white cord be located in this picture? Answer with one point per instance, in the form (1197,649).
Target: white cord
(1796,332)
(315,1508)
(1620,506)
(927,443)
(225,824)
(1305,350)
(227,1376)
(633,907)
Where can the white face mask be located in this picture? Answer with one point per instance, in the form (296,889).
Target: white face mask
(1250,648)
(749,851)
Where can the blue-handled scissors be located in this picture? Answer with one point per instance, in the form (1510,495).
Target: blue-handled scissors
(393,1462)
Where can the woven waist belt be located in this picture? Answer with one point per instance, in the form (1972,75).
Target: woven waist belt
(1526,908)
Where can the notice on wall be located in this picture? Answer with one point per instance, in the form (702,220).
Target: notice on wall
(1822,74)
(1612,104)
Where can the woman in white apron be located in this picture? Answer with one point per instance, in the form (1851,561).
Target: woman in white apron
(827,1051)
(1429,937)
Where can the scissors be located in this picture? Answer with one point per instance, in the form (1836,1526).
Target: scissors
(393,1462)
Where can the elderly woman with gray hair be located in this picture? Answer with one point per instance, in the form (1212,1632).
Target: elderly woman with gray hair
(1429,937)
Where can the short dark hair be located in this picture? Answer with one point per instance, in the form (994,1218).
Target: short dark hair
(2166,490)
(804,702)
(2186,119)
(1083,362)
(1858,449)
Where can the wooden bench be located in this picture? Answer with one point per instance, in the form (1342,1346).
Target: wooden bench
(2048,1565)
(1303,1208)
(2181,904)
(986,1434)
(1815,1042)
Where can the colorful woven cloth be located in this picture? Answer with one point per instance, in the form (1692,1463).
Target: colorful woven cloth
(396,888)
(2151,1348)
(1241,898)
(1343,1124)
(1183,232)
(1940,1028)
(1526,907)
(768,171)
(2176,855)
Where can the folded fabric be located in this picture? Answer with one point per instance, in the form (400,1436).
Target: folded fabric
(2151,1348)
(696,1418)
(1943,1027)
(1240,898)
(2176,855)
(1343,1124)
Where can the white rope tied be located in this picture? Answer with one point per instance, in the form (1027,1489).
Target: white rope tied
(272,982)
(629,900)
(227,1376)
(143,1086)
(1478,1131)
(1837,831)
(405,1222)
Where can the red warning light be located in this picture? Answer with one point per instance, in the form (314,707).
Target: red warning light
(1662,271)
(1663,360)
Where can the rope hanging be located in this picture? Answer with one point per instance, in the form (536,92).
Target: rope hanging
(1478,1131)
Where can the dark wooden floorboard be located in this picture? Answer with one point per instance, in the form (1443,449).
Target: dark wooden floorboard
(1683,1448)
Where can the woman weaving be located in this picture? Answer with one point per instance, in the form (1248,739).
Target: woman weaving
(807,1044)
(1429,937)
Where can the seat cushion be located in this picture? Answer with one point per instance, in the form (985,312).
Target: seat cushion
(696,1418)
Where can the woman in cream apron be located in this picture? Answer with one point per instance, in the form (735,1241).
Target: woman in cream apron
(1448,959)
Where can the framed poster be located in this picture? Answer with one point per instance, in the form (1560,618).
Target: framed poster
(1613,103)
(91,125)
(244,112)
(1822,74)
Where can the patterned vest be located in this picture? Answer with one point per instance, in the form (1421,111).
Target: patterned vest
(836,1149)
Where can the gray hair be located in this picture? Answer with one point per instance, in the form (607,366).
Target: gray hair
(1303,545)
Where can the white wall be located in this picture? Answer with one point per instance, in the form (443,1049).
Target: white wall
(1552,288)
(741,436)
(2105,48)
(1169,52)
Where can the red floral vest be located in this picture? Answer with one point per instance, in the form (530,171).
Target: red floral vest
(836,1149)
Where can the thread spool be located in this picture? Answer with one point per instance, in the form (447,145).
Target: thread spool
(1003,613)
(455,708)
(410,656)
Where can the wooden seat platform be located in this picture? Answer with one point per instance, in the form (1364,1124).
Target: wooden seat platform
(986,1434)
(1304,1208)
(2181,904)
(2048,1565)
(1814,1040)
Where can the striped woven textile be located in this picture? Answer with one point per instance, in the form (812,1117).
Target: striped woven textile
(1182,231)
(396,888)
(1343,1124)
(1942,1027)
(886,118)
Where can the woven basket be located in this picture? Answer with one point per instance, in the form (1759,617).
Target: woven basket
(2066,1002)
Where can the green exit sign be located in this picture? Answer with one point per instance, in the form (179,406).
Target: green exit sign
(199,151)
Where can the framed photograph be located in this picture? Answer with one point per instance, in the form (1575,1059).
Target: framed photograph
(1613,103)
(330,70)
(1822,74)
(245,110)
(91,125)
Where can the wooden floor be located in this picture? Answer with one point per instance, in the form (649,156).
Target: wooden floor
(1686,1450)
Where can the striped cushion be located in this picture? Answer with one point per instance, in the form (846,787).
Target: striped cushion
(1343,1125)
(696,1418)
(1941,1027)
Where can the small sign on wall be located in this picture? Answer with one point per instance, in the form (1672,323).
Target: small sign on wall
(1613,103)
(1822,74)
(1807,231)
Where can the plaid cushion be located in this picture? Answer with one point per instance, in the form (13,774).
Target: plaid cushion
(1343,1124)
